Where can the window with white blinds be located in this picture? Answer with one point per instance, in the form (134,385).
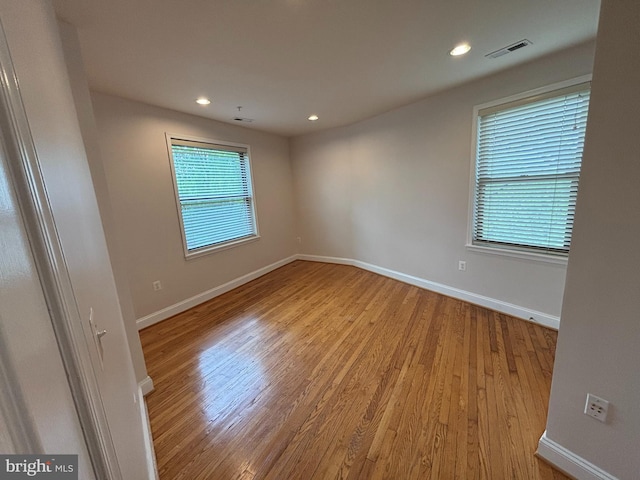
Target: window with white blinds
(214,193)
(528,158)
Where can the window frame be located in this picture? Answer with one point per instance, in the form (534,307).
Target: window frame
(506,250)
(206,250)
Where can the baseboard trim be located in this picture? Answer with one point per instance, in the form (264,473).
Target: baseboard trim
(567,461)
(146,385)
(150,453)
(487,302)
(184,305)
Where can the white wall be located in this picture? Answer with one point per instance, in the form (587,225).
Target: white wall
(393,191)
(598,347)
(137,169)
(35,398)
(34,41)
(84,109)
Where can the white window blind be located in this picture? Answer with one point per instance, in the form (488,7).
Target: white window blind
(213,189)
(527,170)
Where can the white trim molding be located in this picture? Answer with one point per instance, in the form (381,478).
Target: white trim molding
(34,201)
(471,207)
(191,302)
(487,302)
(569,462)
(224,145)
(510,252)
(146,385)
(152,466)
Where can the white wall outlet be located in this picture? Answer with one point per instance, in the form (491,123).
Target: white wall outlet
(299,239)
(462,265)
(596,407)
(157,285)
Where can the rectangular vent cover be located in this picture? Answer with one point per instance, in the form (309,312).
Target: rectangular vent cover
(510,48)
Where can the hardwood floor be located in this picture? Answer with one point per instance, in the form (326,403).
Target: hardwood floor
(319,371)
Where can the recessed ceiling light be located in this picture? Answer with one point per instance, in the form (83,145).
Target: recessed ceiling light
(203,101)
(460,50)
(313,118)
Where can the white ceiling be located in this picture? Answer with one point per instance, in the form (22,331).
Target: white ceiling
(282,60)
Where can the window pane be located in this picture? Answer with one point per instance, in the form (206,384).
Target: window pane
(538,213)
(214,190)
(527,171)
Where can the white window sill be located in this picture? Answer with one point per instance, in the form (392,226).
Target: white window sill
(217,248)
(504,252)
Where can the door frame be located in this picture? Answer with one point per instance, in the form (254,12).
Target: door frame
(31,194)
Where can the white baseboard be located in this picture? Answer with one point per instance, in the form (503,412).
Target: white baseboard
(487,302)
(569,462)
(146,385)
(184,305)
(150,453)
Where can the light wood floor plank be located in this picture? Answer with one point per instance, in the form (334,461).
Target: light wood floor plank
(318,371)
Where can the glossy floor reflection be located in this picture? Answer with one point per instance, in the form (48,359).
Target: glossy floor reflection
(319,371)
(228,377)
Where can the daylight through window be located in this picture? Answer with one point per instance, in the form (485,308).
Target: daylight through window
(528,158)
(214,194)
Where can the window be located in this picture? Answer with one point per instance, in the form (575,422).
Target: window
(212,182)
(528,155)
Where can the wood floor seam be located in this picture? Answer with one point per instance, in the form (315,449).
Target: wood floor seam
(323,371)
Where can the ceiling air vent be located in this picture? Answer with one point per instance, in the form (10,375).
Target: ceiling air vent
(510,48)
(238,118)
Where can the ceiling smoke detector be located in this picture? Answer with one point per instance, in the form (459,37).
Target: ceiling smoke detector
(510,48)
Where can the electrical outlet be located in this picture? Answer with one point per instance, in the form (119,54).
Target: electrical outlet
(462,265)
(157,285)
(596,407)
(299,240)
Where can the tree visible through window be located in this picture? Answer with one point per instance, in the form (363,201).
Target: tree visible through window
(214,193)
(528,157)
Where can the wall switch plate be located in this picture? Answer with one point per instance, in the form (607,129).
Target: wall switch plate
(596,407)
(462,265)
(157,285)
